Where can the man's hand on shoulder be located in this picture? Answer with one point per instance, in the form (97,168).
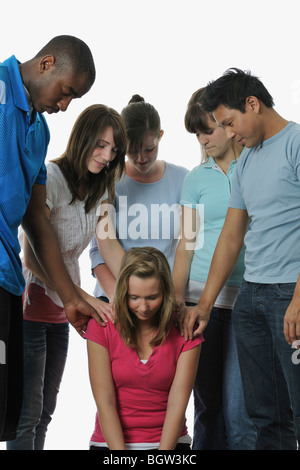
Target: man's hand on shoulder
(79,313)
(196,320)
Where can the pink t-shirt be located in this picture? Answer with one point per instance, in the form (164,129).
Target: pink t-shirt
(142,390)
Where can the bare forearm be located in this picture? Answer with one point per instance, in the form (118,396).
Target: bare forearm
(226,254)
(181,268)
(221,267)
(230,243)
(112,253)
(108,245)
(45,247)
(33,265)
(111,427)
(179,395)
(291,325)
(103,388)
(172,426)
(105,279)
(223,262)
(46,250)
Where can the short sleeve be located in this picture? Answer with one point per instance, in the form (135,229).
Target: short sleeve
(293,153)
(189,192)
(192,343)
(96,333)
(42,176)
(236,200)
(53,186)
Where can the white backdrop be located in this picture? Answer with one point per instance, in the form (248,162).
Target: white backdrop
(163,50)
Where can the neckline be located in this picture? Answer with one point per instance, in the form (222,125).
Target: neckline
(153,182)
(148,361)
(276,136)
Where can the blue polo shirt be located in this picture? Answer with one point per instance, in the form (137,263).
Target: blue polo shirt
(267,185)
(210,187)
(23,148)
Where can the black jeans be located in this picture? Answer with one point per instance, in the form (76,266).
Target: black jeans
(11,363)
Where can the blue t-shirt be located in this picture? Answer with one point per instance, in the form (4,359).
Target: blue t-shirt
(267,185)
(147,214)
(23,147)
(207,189)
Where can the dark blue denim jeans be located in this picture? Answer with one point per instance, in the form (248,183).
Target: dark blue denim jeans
(220,418)
(45,353)
(271,379)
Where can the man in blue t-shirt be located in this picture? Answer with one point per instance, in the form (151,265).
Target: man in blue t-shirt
(63,69)
(265,200)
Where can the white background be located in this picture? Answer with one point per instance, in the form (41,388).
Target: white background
(163,50)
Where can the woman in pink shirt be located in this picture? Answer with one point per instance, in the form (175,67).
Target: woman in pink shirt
(78,183)
(141,369)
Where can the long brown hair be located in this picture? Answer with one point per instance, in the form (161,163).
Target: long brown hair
(87,131)
(144,262)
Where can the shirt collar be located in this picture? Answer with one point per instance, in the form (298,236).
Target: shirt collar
(211,162)
(29,101)
(18,90)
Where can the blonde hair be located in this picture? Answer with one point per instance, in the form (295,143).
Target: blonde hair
(144,263)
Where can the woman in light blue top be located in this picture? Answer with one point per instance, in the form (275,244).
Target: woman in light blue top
(220,420)
(146,208)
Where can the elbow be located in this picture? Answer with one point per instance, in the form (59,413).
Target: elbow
(28,262)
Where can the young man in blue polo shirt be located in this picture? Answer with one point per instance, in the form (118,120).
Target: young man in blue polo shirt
(266,316)
(64,69)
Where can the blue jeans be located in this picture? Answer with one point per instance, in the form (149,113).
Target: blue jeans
(271,380)
(220,419)
(45,353)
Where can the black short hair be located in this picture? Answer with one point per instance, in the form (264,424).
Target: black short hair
(71,53)
(232,89)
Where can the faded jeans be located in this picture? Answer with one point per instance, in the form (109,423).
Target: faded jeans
(45,353)
(270,377)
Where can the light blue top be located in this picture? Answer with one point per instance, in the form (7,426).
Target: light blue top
(23,147)
(267,186)
(210,187)
(147,214)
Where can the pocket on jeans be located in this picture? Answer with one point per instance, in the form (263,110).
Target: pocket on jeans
(285,290)
(244,286)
